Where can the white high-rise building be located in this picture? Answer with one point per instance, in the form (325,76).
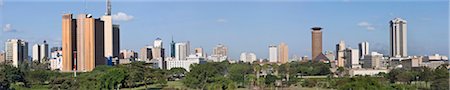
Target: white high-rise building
(363,49)
(248,57)
(273,54)
(56,60)
(181,51)
(352,58)
(398,38)
(16,51)
(111,34)
(40,52)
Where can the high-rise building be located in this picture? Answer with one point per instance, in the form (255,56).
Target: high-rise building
(16,51)
(248,57)
(340,50)
(316,42)
(199,52)
(220,50)
(372,60)
(398,38)
(90,43)
(40,52)
(273,54)
(69,42)
(352,58)
(172,49)
(181,51)
(146,53)
(111,34)
(363,49)
(283,52)
(158,50)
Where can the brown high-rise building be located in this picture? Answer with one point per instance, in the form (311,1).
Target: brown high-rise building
(283,53)
(90,43)
(69,42)
(316,42)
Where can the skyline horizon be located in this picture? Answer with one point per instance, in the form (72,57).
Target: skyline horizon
(417,45)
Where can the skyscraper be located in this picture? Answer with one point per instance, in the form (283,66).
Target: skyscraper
(352,58)
(158,50)
(316,42)
(363,49)
(40,52)
(220,50)
(398,38)
(248,57)
(172,48)
(273,54)
(340,49)
(111,33)
(69,42)
(181,51)
(16,51)
(90,43)
(283,52)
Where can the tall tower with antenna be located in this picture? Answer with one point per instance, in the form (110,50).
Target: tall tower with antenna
(108,8)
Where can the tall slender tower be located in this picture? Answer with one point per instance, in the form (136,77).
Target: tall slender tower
(172,49)
(398,38)
(316,42)
(273,54)
(283,53)
(111,33)
(69,42)
(108,8)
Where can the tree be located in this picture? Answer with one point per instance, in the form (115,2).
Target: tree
(270,80)
(202,74)
(441,79)
(112,78)
(405,76)
(177,72)
(237,73)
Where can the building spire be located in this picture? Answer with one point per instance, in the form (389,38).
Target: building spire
(108,8)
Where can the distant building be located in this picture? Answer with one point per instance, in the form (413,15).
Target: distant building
(129,55)
(2,57)
(172,49)
(146,53)
(273,54)
(90,43)
(40,52)
(316,42)
(340,56)
(352,58)
(373,60)
(283,53)
(364,72)
(220,52)
(363,49)
(248,57)
(199,52)
(56,59)
(398,38)
(181,51)
(69,42)
(158,50)
(191,59)
(16,51)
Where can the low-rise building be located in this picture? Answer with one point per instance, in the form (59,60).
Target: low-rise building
(364,72)
(191,59)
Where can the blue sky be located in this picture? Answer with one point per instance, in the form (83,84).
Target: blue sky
(243,26)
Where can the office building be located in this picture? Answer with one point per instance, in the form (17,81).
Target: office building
(191,59)
(40,52)
(111,34)
(273,54)
(181,51)
(199,52)
(172,49)
(283,53)
(56,59)
(373,61)
(316,42)
(146,53)
(351,58)
(90,43)
(16,51)
(248,57)
(340,50)
(220,50)
(69,42)
(363,49)
(398,38)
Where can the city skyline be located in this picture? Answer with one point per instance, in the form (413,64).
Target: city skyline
(253,28)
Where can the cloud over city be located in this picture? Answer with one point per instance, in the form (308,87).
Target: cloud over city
(366,25)
(121,16)
(8,28)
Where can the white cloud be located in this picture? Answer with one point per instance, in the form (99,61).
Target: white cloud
(121,16)
(366,25)
(8,28)
(1,3)
(221,20)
